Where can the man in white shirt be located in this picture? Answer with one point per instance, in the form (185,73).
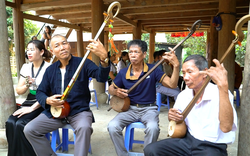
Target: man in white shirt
(212,122)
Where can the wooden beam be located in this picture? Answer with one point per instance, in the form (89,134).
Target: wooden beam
(179,27)
(58,11)
(32,1)
(86,22)
(149,3)
(126,20)
(69,32)
(10,4)
(166,29)
(174,24)
(54,3)
(83,20)
(190,14)
(187,15)
(123,18)
(51,21)
(73,16)
(119,28)
(80,20)
(115,24)
(168,9)
(175,20)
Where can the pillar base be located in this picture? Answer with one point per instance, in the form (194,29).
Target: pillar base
(101,98)
(3,139)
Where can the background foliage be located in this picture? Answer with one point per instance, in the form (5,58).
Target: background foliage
(193,45)
(30,30)
(241,51)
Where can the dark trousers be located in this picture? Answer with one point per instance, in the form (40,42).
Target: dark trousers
(18,145)
(187,146)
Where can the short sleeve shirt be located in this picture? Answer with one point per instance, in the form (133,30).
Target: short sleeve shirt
(121,65)
(26,70)
(203,120)
(145,92)
(112,68)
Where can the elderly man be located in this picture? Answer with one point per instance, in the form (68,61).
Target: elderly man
(55,81)
(142,98)
(212,122)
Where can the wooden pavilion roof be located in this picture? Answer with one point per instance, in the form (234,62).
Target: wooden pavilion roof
(157,15)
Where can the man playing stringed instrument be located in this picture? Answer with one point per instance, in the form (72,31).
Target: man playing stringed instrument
(212,122)
(55,81)
(142,98)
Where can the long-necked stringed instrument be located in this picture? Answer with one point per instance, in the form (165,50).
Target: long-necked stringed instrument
(122,104)
(63,112)
(178,130)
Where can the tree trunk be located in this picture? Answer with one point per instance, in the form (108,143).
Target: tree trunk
(244,131)
(7,97)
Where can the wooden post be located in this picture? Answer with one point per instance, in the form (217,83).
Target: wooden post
(151,46)
(226,37)
(208,44)
(244,131)
(213,48)
(80,51)
(137,31)
(106,40)
(7,96)
(18,35)
(96,22)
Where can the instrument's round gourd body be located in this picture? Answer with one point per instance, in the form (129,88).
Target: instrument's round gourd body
(177,130)
(120,105)
(60,112)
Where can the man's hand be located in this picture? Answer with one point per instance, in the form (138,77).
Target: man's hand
(55,101)
(122,93)
(98,49)
(218,74)
(175,115)
(171,57)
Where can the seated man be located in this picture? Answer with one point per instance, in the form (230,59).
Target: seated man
(212,122)
(156,57)
(165,91)
(142,98)
(49,92)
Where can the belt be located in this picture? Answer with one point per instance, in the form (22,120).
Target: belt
(143,105)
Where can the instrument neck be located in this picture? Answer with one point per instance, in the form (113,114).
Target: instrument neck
(195,99)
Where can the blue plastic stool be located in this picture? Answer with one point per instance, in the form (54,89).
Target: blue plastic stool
(96,102)
(129,135)
(106,90)
(158,102)
(237,97)
(93,90)
(65,139)
(48,136)
(108,98)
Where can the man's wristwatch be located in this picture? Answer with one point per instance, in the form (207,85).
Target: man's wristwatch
(105,61)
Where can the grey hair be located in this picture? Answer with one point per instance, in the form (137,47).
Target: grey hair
(199,61)
(56,35)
